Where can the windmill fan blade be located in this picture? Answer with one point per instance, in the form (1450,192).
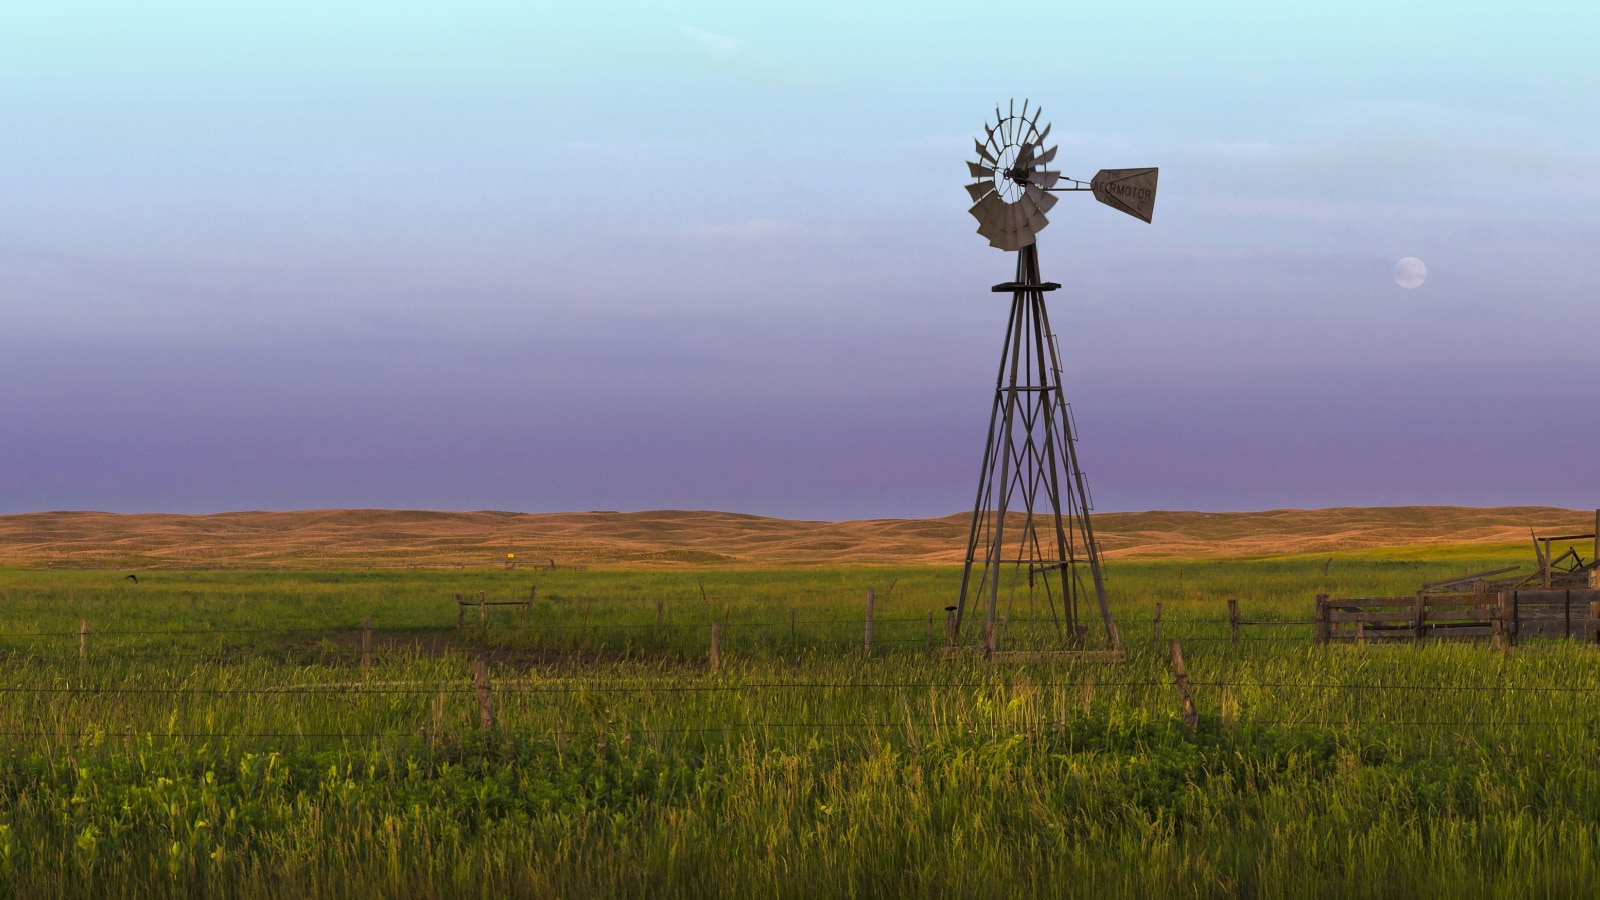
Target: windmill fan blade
(990,212)
(1132,191)
(1045,133)
(1013,240)
(1029,208)
(979,170)
(1041,199)
(1044,178)
(1044,159)
(983,153)
(976,191)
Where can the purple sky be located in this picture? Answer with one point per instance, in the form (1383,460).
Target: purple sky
(716,258)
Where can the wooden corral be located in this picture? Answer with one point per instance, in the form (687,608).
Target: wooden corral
(1504,616)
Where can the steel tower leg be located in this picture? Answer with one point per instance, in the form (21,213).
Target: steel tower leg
(1029,456)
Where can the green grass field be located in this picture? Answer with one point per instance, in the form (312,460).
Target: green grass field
(224,738)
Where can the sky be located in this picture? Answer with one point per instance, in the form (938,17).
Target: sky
(543,257)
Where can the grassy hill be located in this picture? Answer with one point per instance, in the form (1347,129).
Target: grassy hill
(700,539)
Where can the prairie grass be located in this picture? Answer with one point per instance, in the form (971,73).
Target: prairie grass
(224,739)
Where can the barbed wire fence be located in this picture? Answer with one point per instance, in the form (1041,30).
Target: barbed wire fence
(485,641)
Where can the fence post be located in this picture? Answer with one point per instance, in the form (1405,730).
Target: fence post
(716,645)
(927,640)
(1422,615)
(866,638)
(461,611)
(1320,625)
(1233,621)
(661,612)
(366,645)
(480,681)
(1155,630)
(989,635)
(483,610)
(950,626)
(527,606)
(83,643)
(1180,677)
(1497,623)
(1594,614)
(1116,637)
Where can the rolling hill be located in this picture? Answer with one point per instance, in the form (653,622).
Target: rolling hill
(353,537)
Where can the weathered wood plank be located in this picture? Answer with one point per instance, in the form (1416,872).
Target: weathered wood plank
(1398,616)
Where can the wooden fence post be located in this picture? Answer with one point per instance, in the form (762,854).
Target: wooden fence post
(927,641)
(480,681)
(461,611)
(988,636)
(1499,624)
(716,645)
(866,638)
(661,612)
(1594,613)
(366,645)
(1155,630)
(527,606)
(1180,676)
(1233,621)
(483,610)
(1320,624)
(83,643)
(950,626)
(1116,637)
(1421,615)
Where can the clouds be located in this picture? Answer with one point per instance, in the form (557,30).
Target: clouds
(716,44)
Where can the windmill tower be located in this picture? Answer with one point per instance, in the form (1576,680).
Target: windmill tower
(1030,528)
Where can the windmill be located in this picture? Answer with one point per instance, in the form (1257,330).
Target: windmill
(1030,461)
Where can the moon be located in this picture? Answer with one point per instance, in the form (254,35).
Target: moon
(1410,273)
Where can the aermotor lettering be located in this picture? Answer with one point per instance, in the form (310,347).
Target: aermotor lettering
(1124,192)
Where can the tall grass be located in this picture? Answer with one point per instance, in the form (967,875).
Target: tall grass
(237,758)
